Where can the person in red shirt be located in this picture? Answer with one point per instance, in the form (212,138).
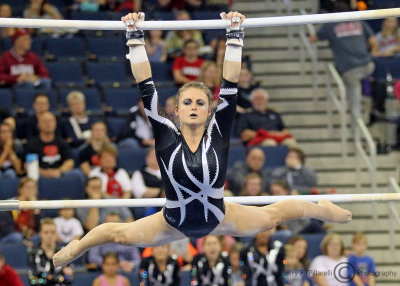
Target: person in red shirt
(8,276)
(186,68)
(19,67)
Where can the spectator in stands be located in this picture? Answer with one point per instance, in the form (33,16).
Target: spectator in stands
(77,128)
(350,43)
(245,87)
(10,164)
(186,68)
(128,255)
(279,188)
(175,39)
(363,268)
(219,52)
(322,267)
(6,12)
(263,126)
(20,67)
(160,268)
(8,276)
(234,261)
(155,46)
(300,245)
(115,181)
(27,221)
(252,186)
(295,173)
(295,274)
(40,258)
(68,227)
(88,155)
(262,261)
(55,157)
(8,233)
(210,76)
(388,39)
(147,183)
(254,164)
(125,5)
(212,267)
(110,276)
(170,106)
(92,217)
(137,131)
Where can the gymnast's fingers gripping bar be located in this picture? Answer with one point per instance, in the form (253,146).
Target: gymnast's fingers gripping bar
(7,205)
(201,24)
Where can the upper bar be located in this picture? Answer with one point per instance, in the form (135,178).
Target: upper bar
(202,24)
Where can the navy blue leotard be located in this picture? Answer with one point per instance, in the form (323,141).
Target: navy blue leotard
(193,181)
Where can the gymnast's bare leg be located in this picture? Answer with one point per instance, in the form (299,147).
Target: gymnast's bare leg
(149,231)
(248,220)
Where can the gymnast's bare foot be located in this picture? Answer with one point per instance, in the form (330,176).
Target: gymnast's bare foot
(67,254)
(335,213)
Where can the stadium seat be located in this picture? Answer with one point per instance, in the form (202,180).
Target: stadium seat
(275,156)
(164,92)
(70,49)
(92,98)
(85,279)
(121,99)
(101,16)
(37,45)
(114,125)
(164,15)
(108,74)
(8,188)
(7,43)
(15,254)
(112,49)
(209,35)
(25,98)
(162,73)
(236,153)
(131,160)
(313,242)
(206,15)
(6,99)
(70,186)
(383,66)
(66,74)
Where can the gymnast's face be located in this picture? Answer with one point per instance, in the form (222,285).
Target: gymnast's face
(212,247)
(193,107)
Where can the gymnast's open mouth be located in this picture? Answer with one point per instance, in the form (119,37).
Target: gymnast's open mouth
(193,115)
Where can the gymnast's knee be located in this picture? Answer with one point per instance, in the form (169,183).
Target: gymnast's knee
(273,217)
(116,232)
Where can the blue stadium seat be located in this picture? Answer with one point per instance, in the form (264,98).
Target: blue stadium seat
(162,73)
(15,255)
(121,99)
(114,125)
(71,49)
(236,153)
(6,99)
(275,156)
(102,16)
(164,15)
(65,187)
(313,242)
(66,74)
(107,48)
(206,15)
(25,98)
(92,98)
(375,24)
(8,188)
(37,45)
(131,160)
(384,66)
(85,279)
(7,43)
(166,91)
(108,74)
(209,35)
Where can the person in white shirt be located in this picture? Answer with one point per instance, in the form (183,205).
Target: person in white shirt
(115,181)
(330,269)
(68,227)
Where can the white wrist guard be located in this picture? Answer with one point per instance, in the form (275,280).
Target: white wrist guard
(137,54)
(233,53)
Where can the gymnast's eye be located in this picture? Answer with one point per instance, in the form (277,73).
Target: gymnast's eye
(201,102)
(187,101)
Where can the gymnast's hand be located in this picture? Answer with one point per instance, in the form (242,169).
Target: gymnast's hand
(233,17)
(131,19)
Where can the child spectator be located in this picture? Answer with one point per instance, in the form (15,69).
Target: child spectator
(155,46)
(388,39)
(88,155)
(160,268)
(10,164)
(6,12)
(110,276)
(8,276)
(186,68)
(362,270)
(300,245)
(294,273)
(170,105)
(115,181)
(234,261)
(245,87)
(252,186)
(68,227)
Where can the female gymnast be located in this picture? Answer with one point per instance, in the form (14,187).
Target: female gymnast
(193,161)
